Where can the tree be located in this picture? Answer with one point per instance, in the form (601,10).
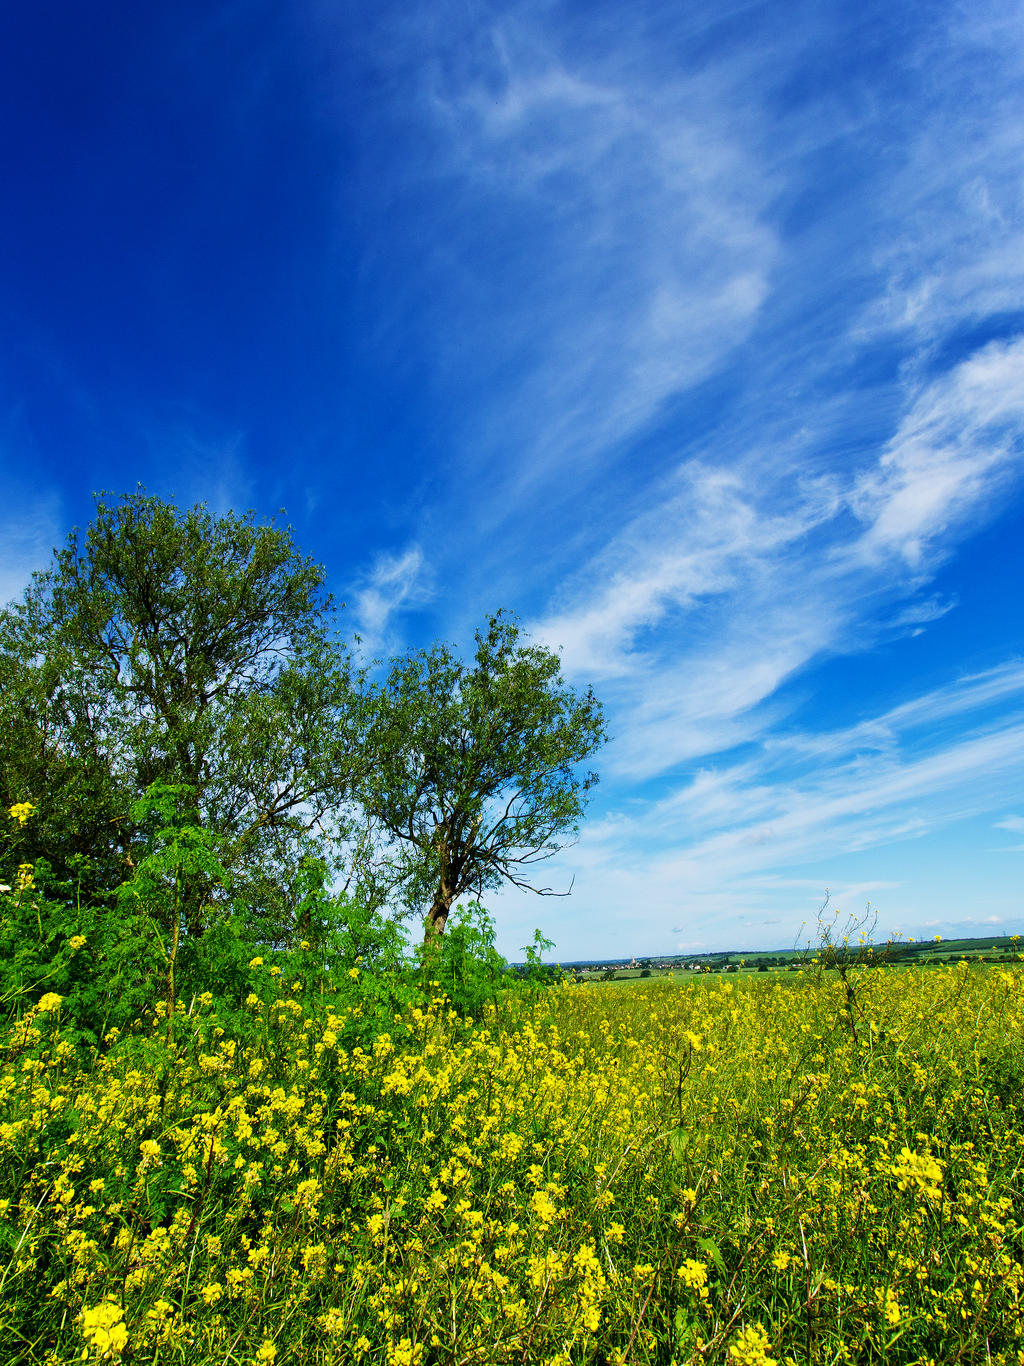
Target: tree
(475,768)
(179,648)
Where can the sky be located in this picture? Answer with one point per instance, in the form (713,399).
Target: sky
(691,334)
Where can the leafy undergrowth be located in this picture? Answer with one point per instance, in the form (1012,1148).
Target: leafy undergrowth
(743,1172)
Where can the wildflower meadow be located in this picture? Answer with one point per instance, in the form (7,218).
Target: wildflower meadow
(769,1169)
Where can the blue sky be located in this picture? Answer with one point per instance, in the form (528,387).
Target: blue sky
(693,334)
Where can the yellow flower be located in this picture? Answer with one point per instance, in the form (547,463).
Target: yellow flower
(374,1225)
(694,1275)
(255,962)
(353,973)
(22,811)
(50,1002)
(749,1348)
(267,1352)
(25,880)
(149,1147)
(76,942)
(888,1305)
(103,1328)
(543,1207)
(917,1171)
(405,1353)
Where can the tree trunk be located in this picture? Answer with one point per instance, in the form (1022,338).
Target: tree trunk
(437,917)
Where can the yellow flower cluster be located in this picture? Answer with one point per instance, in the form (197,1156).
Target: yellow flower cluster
(694,1275)
(22,812)
(104,1330)
(749,1348)
(919,1172)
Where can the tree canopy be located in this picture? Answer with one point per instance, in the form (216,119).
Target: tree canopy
(174,652)
(475,771)
(181,648)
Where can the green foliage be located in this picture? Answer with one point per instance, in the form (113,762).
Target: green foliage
(175,647)
(475,771)
(106,967)
(465,964)
(179,871)
(111,966)
(848,950)
(535,971)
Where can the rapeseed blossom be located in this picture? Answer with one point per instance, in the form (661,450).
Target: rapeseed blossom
(405,1353)
(22,812)
(918,1171)
(103,1328)
(694,1275)
(749,1347)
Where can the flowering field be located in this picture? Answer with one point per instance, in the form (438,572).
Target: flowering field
(759,1170)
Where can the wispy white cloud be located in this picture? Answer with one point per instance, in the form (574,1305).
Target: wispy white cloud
(604,228)
(706,535)
(393,583)
(951,248)
(720,848)
(594,240)
(698,610)
(1015,825)
(641,213)
(955,449)
(994,688)
(731,848)
(743,820)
